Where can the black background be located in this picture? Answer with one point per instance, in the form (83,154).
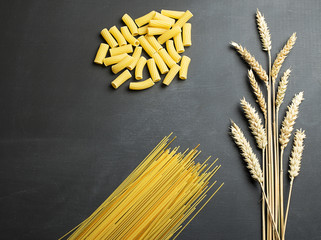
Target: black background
(67,139)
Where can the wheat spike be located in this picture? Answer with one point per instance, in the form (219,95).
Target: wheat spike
(296,154)
(246,151)
(289,120)
(258,93)
(255,123)
(281,56)
(264,31)
(282,88)
(252,62)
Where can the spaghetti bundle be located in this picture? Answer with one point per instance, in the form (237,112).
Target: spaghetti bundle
(156,201)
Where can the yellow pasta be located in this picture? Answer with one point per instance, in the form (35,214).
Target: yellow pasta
(160,63)
(141,85)
(101,53)
(145,19)
(115,59)
(187,30)
(167,59)
(156,31)
(142,30)
(169,34)
(109,38)
(153,42)
(153,70)
(184,67)
(179,43)
(159,24)
(136,56)
(119,50)
(162,17)
(123,77)
(139,68)
(128,36)
(172,14)
(172,51)
(122,64)
(183,19)
(147,47)
(117,34)
(130,24)
(171,74)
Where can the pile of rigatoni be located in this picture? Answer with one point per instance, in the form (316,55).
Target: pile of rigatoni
(156,29)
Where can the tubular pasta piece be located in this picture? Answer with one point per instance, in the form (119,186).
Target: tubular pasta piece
(141,85)
(183,19)
(169,34)
(160,63)
(184,67)
(172,14)
(117,34)
(109,38)
(101,53)
(147,47)
(123,77)
(153,42)
(115,59)
(153,70)
(187,32)
(171,74)
(136,56)
(139,68)
(119,50)
(159,24)
(128,36)
(145,19)
(172,51)
(179,43)
(142,30)
(130,24)
(162,17)
(167,59)
(122,64)
(156,31)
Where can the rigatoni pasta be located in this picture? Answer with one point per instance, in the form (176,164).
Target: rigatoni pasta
(123,77)
(153,42)
(115,59)
(118,36)
(160,63)
(122,64)
(172,14)
(167,59)
(187,38)
(169,34)
(119,50)
(141,85)
(142,30)
(130,24)
(162,17)
(183,19)
(136,56)
(139,68)
(159,24)
(153,70)
(108,38)
(171,74)
(184,67)
(101,53)
(179,43)
(128,36)
(156,31)
(147,47)
(145,19)
(172,51)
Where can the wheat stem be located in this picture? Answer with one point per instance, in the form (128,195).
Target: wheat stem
(287,209)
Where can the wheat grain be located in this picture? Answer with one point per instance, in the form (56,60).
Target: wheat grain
(282,88)
(255,123)
(254,64)
(282,55)
(296,154)
(264,31)
(258,93)
(289,120)
(246,151)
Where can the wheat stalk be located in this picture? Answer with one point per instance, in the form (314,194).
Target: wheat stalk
(258,93)
(255,123)
(289,120)
(264,31)
(282,88)
(254,64)
(282,55)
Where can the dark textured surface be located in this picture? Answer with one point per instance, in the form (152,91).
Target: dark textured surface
(67,139)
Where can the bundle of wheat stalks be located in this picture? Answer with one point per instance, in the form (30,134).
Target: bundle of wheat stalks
(267,136)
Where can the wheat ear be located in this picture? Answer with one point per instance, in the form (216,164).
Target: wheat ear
(282,89)
(251,61)
(255,123)
(264,31)
(258,93)
(281,56)
(289,120)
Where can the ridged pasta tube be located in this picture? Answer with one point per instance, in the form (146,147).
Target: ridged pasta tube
(172,51)
(179,43)
(142,30)
(162,17)
(118,36)
(128,36)
(159,24)
(169,34)
(160,63)
(153,42)
(172,14)
(145,19)
(115,59)
(136,56)
(108,38)
(167,59)
(156,31)
(123,77)
(139,68)
(147,47)
(187,32)
(101,53)
(119,50)
(184,67)
(171,74)
(141,85)
(183,19)
(153,70)
(130,24)
(122,64)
